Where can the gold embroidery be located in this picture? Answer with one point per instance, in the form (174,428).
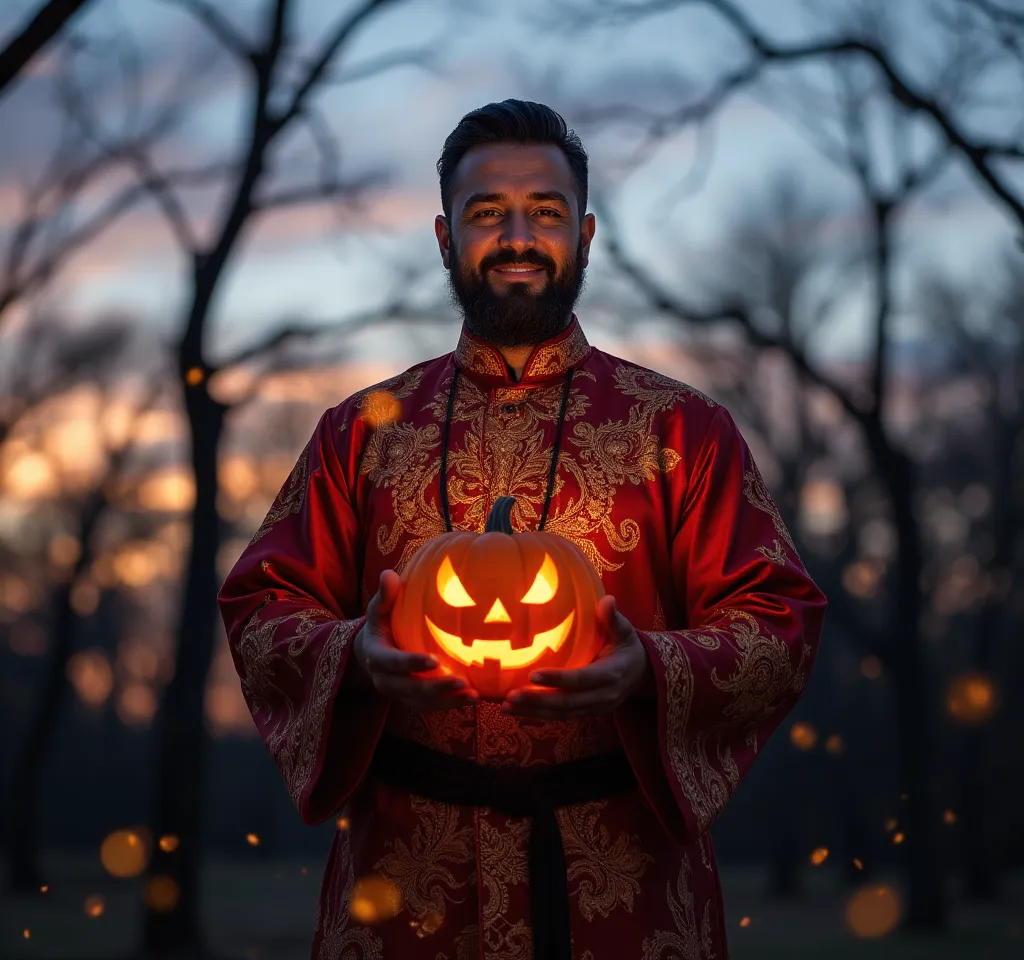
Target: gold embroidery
(371,402)
(702,761)
(502,865)
(267,652)
(775,553)
(762,676)
(549,359)
(338,940)
(655,391)
(658,621)
(699,782)
(607,873)
(688,941)
(465,945)
(757,493)
(422,870)
(557,357)
(289,499)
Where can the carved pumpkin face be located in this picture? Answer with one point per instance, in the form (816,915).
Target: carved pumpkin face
(494,607)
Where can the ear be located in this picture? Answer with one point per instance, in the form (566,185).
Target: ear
(443,235)
(587,229)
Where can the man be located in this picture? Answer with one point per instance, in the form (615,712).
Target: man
(710,624)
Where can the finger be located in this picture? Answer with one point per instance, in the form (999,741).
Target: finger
(550,705)
(615,624)
(601,673)
(439,693)
(383,657)
(388,588)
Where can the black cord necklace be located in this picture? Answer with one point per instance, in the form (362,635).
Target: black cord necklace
(554,452)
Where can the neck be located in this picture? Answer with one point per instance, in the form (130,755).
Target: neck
(516,358)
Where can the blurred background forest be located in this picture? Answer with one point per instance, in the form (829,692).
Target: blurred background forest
(216,221)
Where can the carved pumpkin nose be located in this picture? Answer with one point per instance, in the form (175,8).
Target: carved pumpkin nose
(497,614)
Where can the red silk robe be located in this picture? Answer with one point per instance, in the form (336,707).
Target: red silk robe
(658,488)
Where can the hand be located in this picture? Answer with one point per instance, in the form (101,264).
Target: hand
(396,673)
(616,674)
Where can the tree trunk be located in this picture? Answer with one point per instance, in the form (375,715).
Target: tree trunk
(24,875)
(927,906)
(181,731)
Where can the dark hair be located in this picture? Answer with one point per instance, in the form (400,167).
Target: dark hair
(518,121)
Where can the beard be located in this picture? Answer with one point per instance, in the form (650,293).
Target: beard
(517,317)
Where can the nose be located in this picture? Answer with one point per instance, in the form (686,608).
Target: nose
(518,233)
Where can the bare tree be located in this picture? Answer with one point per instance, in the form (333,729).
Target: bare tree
(47,22)
(58,357)
(277,105)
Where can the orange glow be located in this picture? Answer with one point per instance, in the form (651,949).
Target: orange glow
(860,579)
(374,898)
(85,598)
(94,906)
(239,477)
(745,922)
(15,594)
(136,705)
(226,709)
(890,825)
(803,736)
(31,477)
(834,744)
(170,490)
(430,923)
(194,376)
(871,667)
(898,838)
(971,699)
(44,888)
(90,674)
(380,407)
(64,550)
(819,856)
(123,854)
(343,823)
(169,843)
(873,911)
(253,840)
(161,893)
(858,863)
(135,566)
(948,817)
(138,660)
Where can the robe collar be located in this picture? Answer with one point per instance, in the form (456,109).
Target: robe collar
(548,361)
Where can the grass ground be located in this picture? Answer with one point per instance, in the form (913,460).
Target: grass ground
(266,911)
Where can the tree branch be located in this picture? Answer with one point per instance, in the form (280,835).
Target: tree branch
(212,19)
(49,20)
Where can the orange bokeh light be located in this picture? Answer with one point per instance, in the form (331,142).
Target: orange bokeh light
(374,898)
(380,407)
(94,906)
(873,911)
(169,843)
(162,893)
(971,699)
(803,736)
(819,856)
(124,853)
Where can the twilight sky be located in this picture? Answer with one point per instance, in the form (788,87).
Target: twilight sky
(315,263)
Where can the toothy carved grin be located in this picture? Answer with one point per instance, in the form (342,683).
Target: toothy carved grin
(478,651)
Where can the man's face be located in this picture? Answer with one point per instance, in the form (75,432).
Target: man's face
(515,205)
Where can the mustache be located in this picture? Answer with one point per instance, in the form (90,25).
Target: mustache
(516,262)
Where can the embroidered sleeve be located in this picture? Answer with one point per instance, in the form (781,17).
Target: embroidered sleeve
(291,608)
(754,619)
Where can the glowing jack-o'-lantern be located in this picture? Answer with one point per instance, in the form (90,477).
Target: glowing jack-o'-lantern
(494,607)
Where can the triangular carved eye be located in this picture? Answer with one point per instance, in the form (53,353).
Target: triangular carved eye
(545,584)
(450,586)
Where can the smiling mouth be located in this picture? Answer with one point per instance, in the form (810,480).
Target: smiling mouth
(477,651)
(519,269)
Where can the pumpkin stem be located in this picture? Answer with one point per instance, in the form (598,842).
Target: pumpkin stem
(499,520)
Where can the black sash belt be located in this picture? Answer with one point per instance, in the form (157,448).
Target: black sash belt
(532,792)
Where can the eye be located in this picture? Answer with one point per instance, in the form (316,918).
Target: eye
(544,584)
(450,586)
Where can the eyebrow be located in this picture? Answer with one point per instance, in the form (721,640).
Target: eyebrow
(547,195)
